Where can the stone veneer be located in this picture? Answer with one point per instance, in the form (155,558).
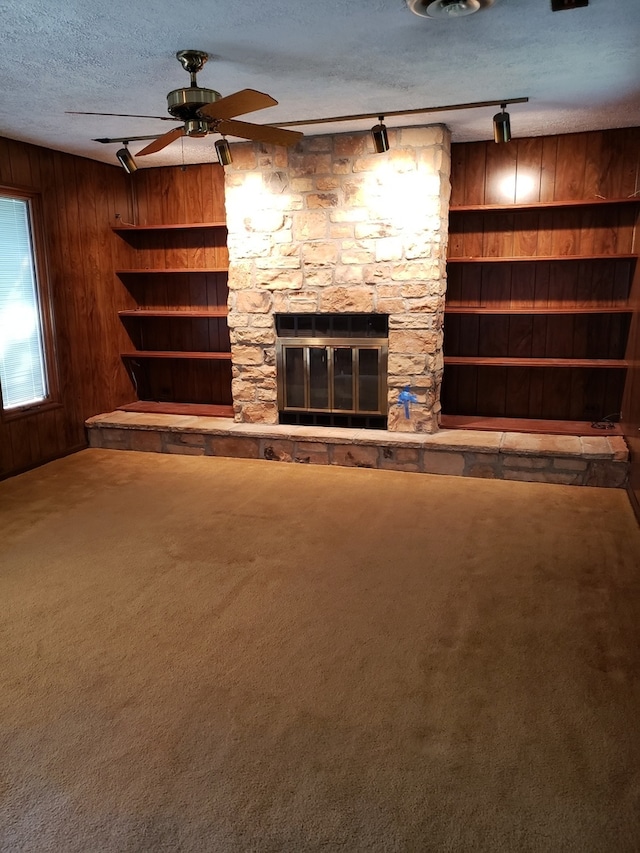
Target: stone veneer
(329,226)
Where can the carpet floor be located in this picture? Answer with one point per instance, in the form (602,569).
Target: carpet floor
(204,654)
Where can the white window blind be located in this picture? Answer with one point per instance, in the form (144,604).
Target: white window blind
(22,366)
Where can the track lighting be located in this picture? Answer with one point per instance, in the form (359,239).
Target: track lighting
(224,152)
(126,159)
(379,135)
(502,126)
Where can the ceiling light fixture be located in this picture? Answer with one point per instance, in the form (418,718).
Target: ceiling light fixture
(224,152)
(447,9)
(126,159)
(380,137)
(502,126)
(474,105)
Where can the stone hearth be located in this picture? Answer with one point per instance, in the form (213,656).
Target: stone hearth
(562,459)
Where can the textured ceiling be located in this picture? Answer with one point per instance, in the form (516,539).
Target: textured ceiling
(579,68)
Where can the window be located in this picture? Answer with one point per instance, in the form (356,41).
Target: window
(23,366)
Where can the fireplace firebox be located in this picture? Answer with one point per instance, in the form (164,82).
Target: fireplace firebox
(332,369)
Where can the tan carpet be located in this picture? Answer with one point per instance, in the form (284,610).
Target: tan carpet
(202,654)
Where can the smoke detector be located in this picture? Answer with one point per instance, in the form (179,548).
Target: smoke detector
(444,9)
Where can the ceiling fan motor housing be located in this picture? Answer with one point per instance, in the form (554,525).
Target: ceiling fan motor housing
(185,103)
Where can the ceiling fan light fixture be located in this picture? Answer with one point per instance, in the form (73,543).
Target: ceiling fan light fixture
(224,152)
(380,136)
(447,9)
(502,126)
(196,127)
(125,158)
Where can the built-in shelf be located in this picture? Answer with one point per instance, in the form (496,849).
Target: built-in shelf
(174,354)
(484,309)
(529,425)
(492,361)
(537,205)
(203,313)
(123,229)
(479,259)
(181,271)
(210,410)
(175,367)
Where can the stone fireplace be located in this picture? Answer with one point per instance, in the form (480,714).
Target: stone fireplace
(330,228)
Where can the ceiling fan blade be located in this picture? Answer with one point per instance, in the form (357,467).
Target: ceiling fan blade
(119,115)
(162,141)
(259,132)
(244,101)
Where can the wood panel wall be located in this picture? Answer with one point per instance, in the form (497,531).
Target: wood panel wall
(558,168)
(79,199)
(180,195)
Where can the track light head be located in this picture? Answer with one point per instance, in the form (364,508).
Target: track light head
(380,137)
(224,152)
(126,159)
(502,126)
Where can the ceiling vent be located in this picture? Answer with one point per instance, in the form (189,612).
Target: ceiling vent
(447,9)
(559,5)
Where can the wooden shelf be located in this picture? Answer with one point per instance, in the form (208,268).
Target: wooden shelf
(173,354)
(528,425)
(538,258)
(180,271)
(191,313)
(542,205)
(211,410)
(486,361)
(123,229)
(483,309)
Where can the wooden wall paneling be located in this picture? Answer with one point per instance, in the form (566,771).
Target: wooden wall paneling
(455,241)
(496,285)
(458,167)
(593,165)
(198,289)
(629,168)
(528,170)
(613,150)
(455,273)
(492,384)
(21,166)
(536,389)
(565,233)
(473,235)
(468,335)
(576,402)
(77,372)
(517,392)
(77,199)
(520,335)
(523,285)
(548,172)
(500,173)
(557,393)
(475,174)
(570,166)
(542,284)
(623,232)
(525,233)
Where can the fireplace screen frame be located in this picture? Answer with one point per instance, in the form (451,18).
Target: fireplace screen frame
(329,345)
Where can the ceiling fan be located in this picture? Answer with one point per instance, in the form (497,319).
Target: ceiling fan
(204,111)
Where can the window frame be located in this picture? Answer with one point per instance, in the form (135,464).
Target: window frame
(45,304)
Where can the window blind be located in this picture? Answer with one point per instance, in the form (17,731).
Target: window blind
(22,365)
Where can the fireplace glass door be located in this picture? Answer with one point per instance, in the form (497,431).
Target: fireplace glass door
(346,376)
